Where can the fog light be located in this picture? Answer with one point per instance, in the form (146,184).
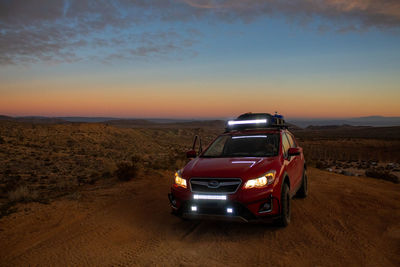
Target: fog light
(194,208)
(229,210)
(265,207)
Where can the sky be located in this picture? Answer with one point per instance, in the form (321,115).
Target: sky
(199,58)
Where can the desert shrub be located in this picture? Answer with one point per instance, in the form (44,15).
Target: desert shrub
(321,164)
(22,193)
(10,183)
(81,179)
(136,159)
(174,160)
(106,174)
(6,209)
(94,177)
(62,185)
(126,171)
(384,175)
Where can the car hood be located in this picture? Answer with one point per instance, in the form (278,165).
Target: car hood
(244,168)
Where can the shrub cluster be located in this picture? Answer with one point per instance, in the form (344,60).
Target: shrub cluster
(127,170)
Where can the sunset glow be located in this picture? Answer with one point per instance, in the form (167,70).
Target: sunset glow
(199,59)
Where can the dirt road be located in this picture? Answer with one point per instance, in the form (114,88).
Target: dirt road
(344,221)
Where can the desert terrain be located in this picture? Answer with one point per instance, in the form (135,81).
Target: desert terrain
(96,194)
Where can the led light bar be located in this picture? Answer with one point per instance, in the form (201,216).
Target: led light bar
(249,136)
(211,197)
(247,122)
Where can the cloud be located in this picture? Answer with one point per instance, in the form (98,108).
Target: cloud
(73,30)
(356,13)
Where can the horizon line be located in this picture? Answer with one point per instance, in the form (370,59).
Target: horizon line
(188,118)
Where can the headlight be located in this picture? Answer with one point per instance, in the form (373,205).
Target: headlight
(262,181)
(179,181)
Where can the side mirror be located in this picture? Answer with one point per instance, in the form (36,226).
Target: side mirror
(294,151)
(191,154)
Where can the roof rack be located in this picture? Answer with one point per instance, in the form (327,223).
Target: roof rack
(256,121)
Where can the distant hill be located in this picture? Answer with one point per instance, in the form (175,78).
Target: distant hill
(295,124)
(127,123)
(361,121)
(87,119)
(348,131)
(293,127)
(3,117)
(33,119)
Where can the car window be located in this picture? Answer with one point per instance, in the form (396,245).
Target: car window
(291,140)
(217,147)
(254,145)
(285,145)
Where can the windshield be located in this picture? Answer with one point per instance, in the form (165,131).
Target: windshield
(257,145)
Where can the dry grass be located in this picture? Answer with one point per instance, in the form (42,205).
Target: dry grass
(352,149)
(22,194)
(58,159)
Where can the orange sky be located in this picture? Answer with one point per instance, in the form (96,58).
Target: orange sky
(190,100)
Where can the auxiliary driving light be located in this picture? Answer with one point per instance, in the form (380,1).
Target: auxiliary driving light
(229,210)
(246,122)
(194,208)
(210,197)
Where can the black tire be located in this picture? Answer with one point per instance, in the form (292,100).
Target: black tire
(303,190)
(284,219)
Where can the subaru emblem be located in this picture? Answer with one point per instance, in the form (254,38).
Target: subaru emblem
(213,184)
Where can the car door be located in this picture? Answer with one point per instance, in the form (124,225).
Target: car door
(298,168)
(289,162)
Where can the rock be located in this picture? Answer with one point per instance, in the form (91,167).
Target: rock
(347,173)
(392,165)
(384,175)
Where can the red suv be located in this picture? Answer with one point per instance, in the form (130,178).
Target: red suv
(249,172)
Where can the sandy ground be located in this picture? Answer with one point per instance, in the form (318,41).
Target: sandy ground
(344,221)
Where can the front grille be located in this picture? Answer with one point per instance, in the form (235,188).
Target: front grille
(215,185)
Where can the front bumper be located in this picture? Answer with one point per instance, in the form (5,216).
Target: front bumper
(236,207)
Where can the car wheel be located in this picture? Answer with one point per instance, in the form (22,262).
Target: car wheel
(284,219)
(303,191)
